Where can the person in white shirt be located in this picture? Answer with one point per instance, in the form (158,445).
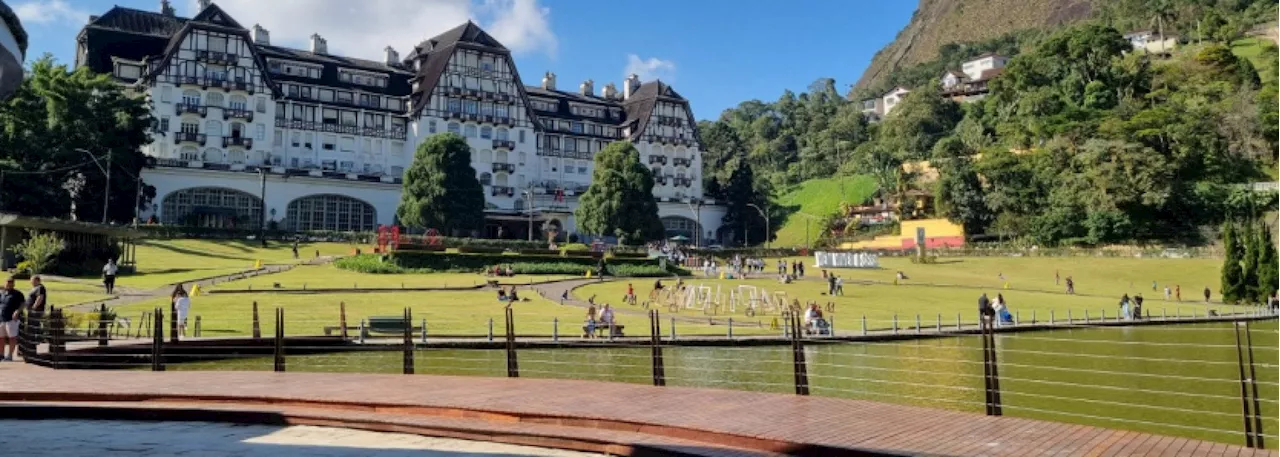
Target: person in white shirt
(109,275)
(181,307)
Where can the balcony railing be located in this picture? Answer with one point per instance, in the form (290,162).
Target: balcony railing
(189,137)
(507,167)
(681,162)
(660,180)
(187,108)
(234,113)
(239,141)
(504,144)
(217,57)
(657,159)
(298,124)
(308,171)
(503,191)
(242,86)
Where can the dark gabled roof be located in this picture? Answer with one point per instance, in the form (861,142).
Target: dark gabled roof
(140,22)
(639,107)
(15,28)
(465,33)
(352,62)
(214,15)
(440,48)
(574,96)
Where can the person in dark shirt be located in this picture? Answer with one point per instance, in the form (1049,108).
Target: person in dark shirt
(11,302)
(35,302)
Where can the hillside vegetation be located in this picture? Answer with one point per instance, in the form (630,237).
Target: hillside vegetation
(812,201)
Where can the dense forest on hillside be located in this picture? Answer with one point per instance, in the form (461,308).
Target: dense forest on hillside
(1079,142)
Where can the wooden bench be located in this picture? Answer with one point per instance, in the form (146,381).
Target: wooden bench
(388,324)
(600,328)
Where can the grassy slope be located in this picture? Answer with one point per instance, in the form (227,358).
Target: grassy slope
(162,262)
(1251,48)
(818,198)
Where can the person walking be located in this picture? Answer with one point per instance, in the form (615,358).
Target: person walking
(1071,286)
(985,310)
(1056,278)
(1124,307)
(1137,307)
(831,285)
(181,307)
(839,286)
(109,275)
(1177,291)
(11,303)
(1206,294)
(1167,293)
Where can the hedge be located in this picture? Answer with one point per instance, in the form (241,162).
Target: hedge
(646,271)
(477,262)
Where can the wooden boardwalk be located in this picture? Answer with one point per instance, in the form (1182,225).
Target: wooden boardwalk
(608,417)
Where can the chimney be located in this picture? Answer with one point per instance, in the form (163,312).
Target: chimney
(318,44)
(260,35)
(630,86)
(549,81)
(609,92)
(587,87)
(205,4)
(391,56)
(165,8)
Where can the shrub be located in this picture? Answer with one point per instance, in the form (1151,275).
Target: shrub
(478,262)
(549,268)
(39,251)
(369,263)
(646,271)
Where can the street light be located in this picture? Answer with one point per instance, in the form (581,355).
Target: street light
(695,206)
(106,192)
(765,215)
(808,217)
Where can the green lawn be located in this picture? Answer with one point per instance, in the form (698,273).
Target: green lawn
(164,262)
(69,293)
(1253,49)
(952,288)
(818,198)
(329,276)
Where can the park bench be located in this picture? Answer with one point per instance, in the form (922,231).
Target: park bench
(382,324)
(600,329)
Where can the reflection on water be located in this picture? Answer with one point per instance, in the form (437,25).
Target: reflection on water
(1175,380)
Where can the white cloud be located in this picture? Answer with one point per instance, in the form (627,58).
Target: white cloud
(49,11)
(650,69)
(364,28)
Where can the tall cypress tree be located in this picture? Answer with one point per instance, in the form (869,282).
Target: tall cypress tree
(620,200)
(1232,275)
(440,188)
(1268,264)
(1249,264)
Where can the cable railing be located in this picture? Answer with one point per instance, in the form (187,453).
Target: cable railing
(1209,381)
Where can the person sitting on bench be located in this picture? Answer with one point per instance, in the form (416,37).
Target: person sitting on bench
(591,322)
(502,294)
(814,323)
(606,318)
(512,296)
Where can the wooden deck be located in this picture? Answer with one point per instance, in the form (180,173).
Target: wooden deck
(639,420)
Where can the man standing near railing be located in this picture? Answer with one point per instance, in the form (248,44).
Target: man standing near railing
(35,315)
(11,302)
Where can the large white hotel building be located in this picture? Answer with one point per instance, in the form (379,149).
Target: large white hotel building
(322,140)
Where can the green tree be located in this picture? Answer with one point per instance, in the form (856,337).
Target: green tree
(741,191)
(916,123)
(959,191)
(1232,274)
(1249,264)
(620,200)
(1268,264)
(38,251)
(56,113)
(440,188)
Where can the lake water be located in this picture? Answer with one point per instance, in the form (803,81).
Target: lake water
(1180,380)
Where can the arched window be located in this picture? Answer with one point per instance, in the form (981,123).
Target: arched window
(238,131)
(189,153)
(212,155)
(680,225)
(330,212)
(239,102)
(502,133)
(236,156)
(214,99)
(485,156)
(210,207)
(455,128)
(669,151)
(486,132)
(470,131)
(486,179)
(213,128)
(191,97)
(501,157)
(500,179)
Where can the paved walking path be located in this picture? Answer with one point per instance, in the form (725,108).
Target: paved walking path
(579,411)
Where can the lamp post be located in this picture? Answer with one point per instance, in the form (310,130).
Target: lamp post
(529,197)
(695,207)
(765,215)
(106,191)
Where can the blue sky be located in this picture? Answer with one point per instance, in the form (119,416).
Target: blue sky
(717,53)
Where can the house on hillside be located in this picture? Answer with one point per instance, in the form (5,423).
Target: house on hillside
(1150,42)
(873,108)
(893,98)
(877,108)
(970,82)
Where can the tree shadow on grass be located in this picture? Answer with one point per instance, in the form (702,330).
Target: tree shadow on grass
(195,252)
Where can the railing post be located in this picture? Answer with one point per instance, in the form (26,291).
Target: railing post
(173,322)
(655,340)
(958,320)
(1086,316)
(513,365)
(917,324)
(57,333)
(1033,316)
(408,341)
(1244,388)
(799,367)
(257,329)
(157,340)
(102,325)
(939,329)
(424,331)
(555,329)
(864,324)
(731,328)
(895,324)
(1017,317)
(279,352)
(993,373)
(1052,315)
(342,319)
(363,331)
(197,329)
(1258,434)
(490,329)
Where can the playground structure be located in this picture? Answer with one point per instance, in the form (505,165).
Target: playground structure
(846,260)
(750,300)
